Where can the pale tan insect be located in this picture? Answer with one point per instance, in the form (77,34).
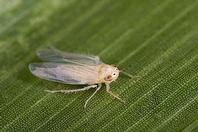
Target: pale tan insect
(75,69)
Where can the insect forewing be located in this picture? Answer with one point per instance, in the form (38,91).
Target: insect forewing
(54,55)
(65,73)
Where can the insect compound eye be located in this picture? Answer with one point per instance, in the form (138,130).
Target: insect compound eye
(108,78)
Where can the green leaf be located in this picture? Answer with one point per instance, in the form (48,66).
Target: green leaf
(156,40)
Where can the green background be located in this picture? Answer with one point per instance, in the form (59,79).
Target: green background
(155,39)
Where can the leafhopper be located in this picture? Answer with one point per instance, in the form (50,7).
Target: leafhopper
(75,69)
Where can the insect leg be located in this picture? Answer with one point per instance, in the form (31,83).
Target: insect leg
(98,88)
(72,90)
(112,94)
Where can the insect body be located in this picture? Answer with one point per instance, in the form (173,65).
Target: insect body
(75,69)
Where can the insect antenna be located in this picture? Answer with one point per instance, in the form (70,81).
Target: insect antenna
(129,75)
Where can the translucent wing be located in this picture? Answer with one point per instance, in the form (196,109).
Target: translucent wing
(54,55)
(65,73)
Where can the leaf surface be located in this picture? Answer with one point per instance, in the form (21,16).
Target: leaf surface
(156,40)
